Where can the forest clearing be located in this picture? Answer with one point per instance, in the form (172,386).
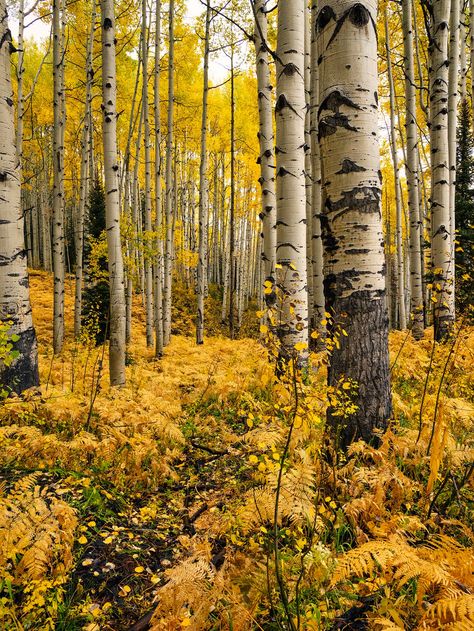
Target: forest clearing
(236,315)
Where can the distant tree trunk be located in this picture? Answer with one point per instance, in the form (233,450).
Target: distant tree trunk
(416,225)
(58,180)
(402,320)
(158,209)
(316,237)
(266,139)
(112,201)
(441,249)
(147,146)
(85,177)
(232,199)
(15,307)
(203,192)
(168,267)
(290,112)
(463,54)
(352,226)
(308,164)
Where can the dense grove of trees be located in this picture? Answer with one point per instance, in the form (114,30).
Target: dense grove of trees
(364,157)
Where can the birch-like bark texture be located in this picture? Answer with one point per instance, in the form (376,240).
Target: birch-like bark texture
(308,164)
(203,191)
(267,143)
(58,181)
(463,53)
(290,112)
(14,286)
(316,236)
(147,146)
(158,209)
(112,201)
(402,320)
(351,221)
(441,248)
(86,182)
(168,263)
(471,20)
(411,169)
(453,98)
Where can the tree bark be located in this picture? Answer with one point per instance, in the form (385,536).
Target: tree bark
(290,112)
(441,248)
(203,192)
(352,224)
(158,209)
(112,201)
(453,99)
(15,307)
(411,165)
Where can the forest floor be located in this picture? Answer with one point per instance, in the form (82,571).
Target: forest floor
(159,498)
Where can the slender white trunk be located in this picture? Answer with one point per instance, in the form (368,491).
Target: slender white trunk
(402,320)
(416,225)
(58,181)
(168,266)
(266,140)
(441,248)
(203,192)
(147,152)
(453,99)
(316,237)
(352,224)
(15,307)
(112,201)
(290,111)
(158,209)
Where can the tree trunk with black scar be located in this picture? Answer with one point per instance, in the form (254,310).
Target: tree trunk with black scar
(402,320)
(290,112)
(112,201)
(14,288)
(168,262)
(203,193)
(411,168)
(158,209)
(316,237)
(266,139)
(441,248)
(453,99)
(351,220)
(58,181)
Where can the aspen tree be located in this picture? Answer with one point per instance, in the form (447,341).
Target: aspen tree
(147,155)
(411,169)
(316,237)
(203,191)
(85,176)
(58,180)
(266,141)
(112,201)
(453,99)
(232,194)
(168,262)
(15,307)
(441,248)
(402,322)
(352,227)
(290,112)
(158,209)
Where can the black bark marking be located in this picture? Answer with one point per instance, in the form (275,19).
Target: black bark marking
(363,199)
(349,166)
(283,102)
(359,15)
(23,372)
(107,24)
(325,16)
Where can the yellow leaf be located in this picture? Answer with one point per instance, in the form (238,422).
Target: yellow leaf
(263,328)
(300,346)
(139,569)
(82,540)
(253,459)
(108,540)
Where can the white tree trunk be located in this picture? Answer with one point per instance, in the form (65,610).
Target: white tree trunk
(58,181)
(402,320)
(416,225)
(168,263)
(267,142)
(158,209)
(352,224)
(441,248)
(14,287)
(453,98)
(290,111)
(112,201)
(203,192)
(316,237)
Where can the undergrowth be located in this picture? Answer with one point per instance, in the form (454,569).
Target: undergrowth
(204,495)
